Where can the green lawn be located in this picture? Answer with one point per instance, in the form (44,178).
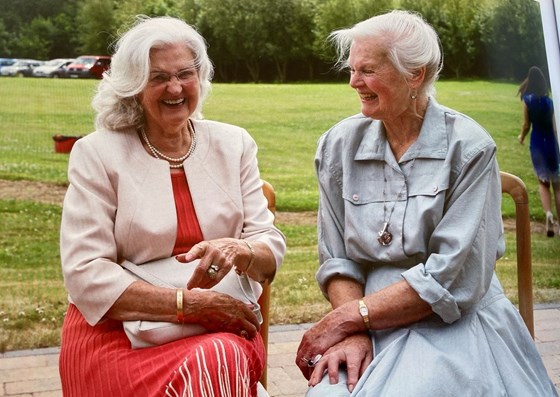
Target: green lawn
(285,120)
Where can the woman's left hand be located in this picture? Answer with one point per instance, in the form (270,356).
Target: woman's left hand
(217,257)
(355,353)
(329,331)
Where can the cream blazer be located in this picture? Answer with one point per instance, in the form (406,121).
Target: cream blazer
(120,205)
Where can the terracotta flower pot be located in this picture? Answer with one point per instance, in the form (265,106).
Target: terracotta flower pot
(64,143)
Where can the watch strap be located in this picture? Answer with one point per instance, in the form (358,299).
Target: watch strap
(364,312)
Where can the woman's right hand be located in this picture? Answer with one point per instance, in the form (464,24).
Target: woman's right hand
(220,313)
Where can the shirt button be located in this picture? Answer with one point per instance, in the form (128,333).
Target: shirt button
(355,197)
(434,189)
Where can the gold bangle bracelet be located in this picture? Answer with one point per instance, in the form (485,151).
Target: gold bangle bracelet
(180,315)
(252,255)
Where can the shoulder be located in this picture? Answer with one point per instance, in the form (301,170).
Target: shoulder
(222,140)
(218,128)
(219,133)
(349,129)
(463,128)
(103,142)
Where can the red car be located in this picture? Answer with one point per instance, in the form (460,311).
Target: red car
(88,67)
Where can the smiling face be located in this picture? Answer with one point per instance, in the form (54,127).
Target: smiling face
(173,90)
(384,93)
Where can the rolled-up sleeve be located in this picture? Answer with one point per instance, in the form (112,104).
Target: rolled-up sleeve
(466,242)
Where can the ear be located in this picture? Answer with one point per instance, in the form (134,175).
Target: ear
(418,76)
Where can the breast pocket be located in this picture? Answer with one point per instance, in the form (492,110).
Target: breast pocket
(369,205)
(424,210)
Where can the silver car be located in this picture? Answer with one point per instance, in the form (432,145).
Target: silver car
(54,68)
(21,68)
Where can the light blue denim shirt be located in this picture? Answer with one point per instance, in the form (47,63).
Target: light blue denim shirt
(443,198)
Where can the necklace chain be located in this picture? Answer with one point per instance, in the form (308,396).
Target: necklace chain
(385,237)
(159,155)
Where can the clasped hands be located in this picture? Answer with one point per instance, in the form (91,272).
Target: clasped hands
(335,347)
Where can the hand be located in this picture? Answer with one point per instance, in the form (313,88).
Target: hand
(521,138)
(220,313)
(220,254)
(329,331)
(355,352)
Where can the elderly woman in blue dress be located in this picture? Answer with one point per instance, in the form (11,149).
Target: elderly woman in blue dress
(409,233)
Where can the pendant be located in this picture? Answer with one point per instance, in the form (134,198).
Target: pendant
(385,237)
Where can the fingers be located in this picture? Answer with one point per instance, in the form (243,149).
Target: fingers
(355,353)
(217,257)
(213,265)
(219,312)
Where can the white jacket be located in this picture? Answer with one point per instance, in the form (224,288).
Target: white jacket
(120,205)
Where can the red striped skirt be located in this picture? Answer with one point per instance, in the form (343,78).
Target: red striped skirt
(98,361)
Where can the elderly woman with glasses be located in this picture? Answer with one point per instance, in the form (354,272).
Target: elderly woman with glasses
(156,181)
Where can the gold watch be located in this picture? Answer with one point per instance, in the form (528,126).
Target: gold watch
(364,312)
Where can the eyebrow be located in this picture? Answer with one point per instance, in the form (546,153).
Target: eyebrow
(180,70)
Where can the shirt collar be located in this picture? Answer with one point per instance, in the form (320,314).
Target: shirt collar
(431,143)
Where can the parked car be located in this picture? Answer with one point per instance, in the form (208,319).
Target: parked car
(88,66)
(21,68)
(5,62)
(53,68)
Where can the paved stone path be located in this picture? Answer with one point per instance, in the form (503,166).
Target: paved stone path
(34,373)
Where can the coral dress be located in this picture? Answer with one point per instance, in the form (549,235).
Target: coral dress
(98,361)
(543,144)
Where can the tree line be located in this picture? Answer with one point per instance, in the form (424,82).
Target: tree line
(282,40)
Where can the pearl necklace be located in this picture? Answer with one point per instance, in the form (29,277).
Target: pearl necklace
(159,155)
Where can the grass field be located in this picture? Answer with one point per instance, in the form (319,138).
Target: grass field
(285,120)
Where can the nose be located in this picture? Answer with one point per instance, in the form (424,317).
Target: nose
(174,84)
(355,79)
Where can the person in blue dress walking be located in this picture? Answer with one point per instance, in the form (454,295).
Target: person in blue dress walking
(409,231)
(538,113)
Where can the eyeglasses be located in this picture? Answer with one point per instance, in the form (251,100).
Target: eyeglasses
(183,76)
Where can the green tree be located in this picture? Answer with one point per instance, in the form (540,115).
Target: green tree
(515,41)
(254,33)
(459,24)
(239,27)
(35,39)
(5,41)
(126,10)
(96,26)
(331,15)
(290,37)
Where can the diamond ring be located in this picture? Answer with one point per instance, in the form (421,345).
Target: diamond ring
(213,271)
(313,361)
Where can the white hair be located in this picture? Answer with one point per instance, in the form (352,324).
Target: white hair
(411,43)
(115,100)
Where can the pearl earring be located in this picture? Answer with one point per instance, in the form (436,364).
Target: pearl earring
(413,96)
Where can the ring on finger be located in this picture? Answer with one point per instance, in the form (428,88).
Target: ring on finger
(213,271)
(244,334)
(311,362)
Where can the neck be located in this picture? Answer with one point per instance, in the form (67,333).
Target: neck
(402,132)
(170,141)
